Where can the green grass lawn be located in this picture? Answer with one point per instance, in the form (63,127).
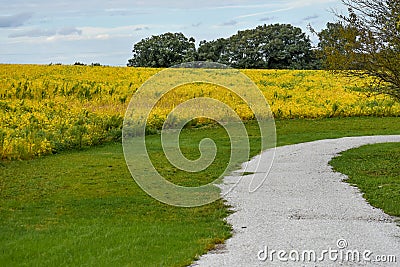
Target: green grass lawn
(83,207)
(375,170)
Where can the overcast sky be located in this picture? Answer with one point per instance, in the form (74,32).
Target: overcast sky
(104,31)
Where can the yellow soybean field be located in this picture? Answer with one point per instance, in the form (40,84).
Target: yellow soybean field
(46,109)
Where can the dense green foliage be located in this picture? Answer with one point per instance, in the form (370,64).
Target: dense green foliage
(277,46)
(163,50)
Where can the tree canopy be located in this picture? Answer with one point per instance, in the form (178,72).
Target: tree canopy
(276,46)
(279,46)
(334,45)
(212,50)
(163,50)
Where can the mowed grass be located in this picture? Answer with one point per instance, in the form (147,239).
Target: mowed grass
(83,208)
(375,170)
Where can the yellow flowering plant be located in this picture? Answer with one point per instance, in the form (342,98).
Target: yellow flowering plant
(46,109)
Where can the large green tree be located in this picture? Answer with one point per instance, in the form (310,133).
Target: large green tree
(368,43)
(163,50)
(278,46)
(212,50)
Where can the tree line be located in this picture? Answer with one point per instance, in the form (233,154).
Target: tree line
(275,46)
(364,43)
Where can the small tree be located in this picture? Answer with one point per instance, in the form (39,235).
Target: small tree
(369,43)
(335,43)
(163,50)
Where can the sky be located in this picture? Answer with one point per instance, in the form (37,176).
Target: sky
(104,31)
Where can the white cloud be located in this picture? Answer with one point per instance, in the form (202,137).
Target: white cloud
(38,32)
(76,34)
(96,29)
(14,20)
(122,6)
(33,33)
(69,31)
(229,23)
(115,31)
(288,5)
(268,18)
(263,13)
(312,17)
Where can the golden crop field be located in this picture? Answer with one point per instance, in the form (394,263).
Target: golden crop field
(46,109)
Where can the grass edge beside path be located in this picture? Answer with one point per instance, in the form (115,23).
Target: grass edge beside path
(375,171)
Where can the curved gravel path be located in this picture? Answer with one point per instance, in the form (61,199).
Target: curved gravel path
(304,207)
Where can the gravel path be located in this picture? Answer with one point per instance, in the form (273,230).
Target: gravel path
(305,207)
